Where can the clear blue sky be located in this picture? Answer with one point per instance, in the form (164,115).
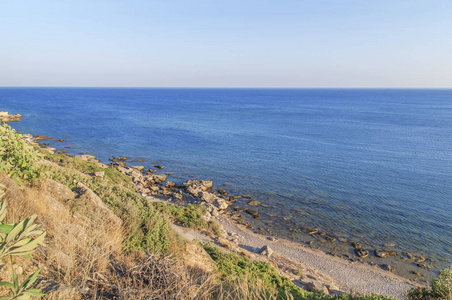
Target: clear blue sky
(230,43)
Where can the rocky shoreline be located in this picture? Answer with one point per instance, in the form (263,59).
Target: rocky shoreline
(6,117)
(221,202)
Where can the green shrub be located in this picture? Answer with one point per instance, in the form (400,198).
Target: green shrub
(232,266)
(441,288)
(18,159)
(187,216)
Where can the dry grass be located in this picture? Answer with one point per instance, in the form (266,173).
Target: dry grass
(77,245)
(83,250)
(159,277)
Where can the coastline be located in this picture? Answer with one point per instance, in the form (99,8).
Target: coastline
(329,272)
(374,201)
(242,210)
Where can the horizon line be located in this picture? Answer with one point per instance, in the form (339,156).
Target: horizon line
(229,87)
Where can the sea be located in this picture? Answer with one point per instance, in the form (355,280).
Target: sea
(373,165)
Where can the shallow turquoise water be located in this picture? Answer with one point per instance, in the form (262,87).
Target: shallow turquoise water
(376,163)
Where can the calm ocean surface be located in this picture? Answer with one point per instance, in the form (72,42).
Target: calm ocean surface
(370,163)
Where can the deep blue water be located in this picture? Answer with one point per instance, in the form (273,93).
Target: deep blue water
(376,163)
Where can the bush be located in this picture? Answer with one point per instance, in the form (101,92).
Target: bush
(187,216)
(441,288)
(232,266)
(18,159)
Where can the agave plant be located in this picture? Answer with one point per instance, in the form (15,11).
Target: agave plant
(19,239)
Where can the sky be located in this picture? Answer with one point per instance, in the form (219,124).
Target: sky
(226,43)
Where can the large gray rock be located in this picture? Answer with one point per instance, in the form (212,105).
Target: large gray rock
(208,197)
(195,191)
(266,251)
(203,184)
(155,179)
(220,203)
(138,168)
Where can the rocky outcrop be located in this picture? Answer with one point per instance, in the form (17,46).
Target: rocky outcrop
(200,189)
(203,184)
(87,157)
(6,117)
(196,257)
(59,191)
(91,199)
(155,179)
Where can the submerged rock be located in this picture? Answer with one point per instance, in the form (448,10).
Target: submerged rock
(222,191)
(361,252)
(252,212)
(330,239)
(424,266)
(387,268)
(383,254)
(238,209)
(253,202)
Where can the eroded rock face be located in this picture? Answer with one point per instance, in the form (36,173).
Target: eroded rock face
(195,256)
(59,191)
(89,196)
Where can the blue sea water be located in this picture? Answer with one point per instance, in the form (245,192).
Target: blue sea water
(370,163)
